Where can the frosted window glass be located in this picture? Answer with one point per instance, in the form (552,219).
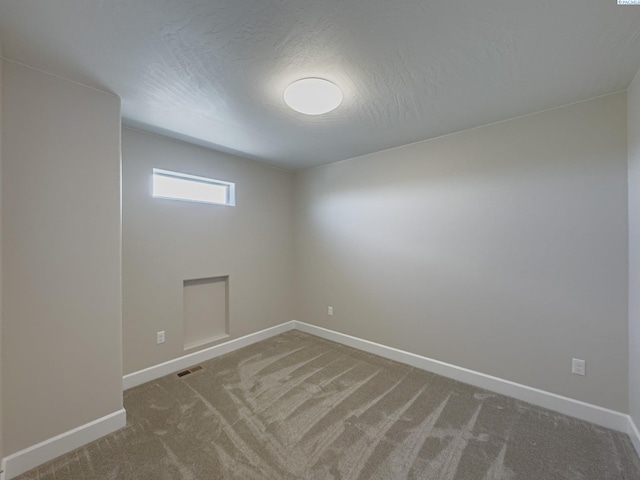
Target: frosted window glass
(180,186)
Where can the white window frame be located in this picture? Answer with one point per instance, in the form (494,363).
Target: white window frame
(230,187)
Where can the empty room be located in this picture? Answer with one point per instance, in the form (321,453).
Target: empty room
(328,240)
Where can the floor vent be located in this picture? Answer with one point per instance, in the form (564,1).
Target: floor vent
(188,371)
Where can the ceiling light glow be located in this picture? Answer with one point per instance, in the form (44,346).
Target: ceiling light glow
(313,96)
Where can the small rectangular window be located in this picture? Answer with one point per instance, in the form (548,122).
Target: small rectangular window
(180,186)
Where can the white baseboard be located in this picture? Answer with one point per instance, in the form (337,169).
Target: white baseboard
(24,460)
(152,373)
(634,435)
(31,457)
(575,408)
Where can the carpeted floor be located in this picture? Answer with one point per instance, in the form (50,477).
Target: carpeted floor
(299,407)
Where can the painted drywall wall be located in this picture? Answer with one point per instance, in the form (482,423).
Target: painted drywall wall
(166,242)
(502,249)
(633,141)
(61,271)
(1,360)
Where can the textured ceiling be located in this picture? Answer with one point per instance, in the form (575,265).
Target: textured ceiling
(213,71)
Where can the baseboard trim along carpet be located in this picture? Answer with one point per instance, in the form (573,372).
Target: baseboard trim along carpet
(143,376)
(24,460)
(575,408)
(585,411)
(634,434)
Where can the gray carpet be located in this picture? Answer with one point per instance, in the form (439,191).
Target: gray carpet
(299,407)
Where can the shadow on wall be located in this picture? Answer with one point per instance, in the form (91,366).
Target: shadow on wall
(507,238)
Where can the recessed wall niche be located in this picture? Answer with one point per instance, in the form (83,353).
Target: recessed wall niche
(205,310)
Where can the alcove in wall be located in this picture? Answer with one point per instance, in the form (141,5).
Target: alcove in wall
(206,310)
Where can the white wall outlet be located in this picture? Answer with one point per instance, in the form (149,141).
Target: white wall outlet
(330,311)
(579,367)
(160,337)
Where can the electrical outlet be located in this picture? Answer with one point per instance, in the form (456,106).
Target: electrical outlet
(578,367)
(160,337)
(330,311)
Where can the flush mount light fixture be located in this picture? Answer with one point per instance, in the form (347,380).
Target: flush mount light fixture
(313,96)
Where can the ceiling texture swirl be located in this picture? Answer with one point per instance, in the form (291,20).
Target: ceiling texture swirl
(213,72)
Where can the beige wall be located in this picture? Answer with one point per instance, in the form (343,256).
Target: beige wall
(61,271)
(168,241)
(633,139)
(501,249)
(1,360)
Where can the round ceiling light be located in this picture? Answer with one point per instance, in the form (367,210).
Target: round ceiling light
(313,96)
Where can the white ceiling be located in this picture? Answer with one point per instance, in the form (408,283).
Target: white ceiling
(213,71)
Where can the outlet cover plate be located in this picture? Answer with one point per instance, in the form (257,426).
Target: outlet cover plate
(578,367)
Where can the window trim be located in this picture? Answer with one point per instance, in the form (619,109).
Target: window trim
(230,200)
